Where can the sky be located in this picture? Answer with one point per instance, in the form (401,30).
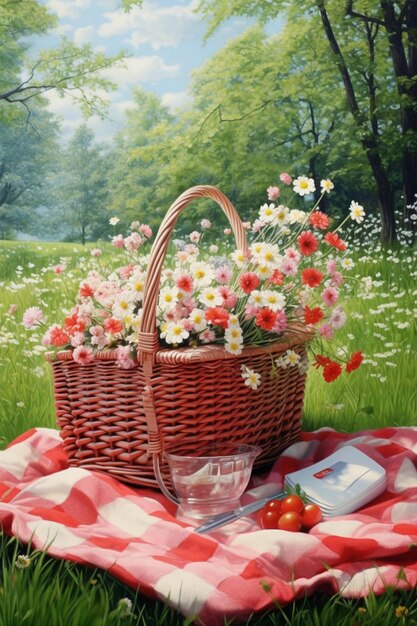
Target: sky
(165,43)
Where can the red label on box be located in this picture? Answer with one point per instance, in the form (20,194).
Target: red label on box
(323,473)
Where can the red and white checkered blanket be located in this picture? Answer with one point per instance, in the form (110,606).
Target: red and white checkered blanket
(91,518)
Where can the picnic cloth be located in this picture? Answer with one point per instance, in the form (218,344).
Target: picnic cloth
(92,518)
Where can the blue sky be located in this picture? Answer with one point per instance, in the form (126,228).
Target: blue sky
(165,43)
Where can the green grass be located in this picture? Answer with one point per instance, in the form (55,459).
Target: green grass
(381,323)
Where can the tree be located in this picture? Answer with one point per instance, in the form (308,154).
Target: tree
(26,159)
(359,49)
(71,70)
(81,192)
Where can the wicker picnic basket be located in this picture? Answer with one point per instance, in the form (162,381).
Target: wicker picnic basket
(117,420)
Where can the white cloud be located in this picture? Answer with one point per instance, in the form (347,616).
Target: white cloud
(152,24)
(67,8)
(146,69)
(174,99)
(84,35)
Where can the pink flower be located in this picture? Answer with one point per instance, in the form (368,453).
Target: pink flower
(96,252)
(145,230)
(123,358)
(247,225)
(205,223)
(280,323)
(77,339)
(331,266)
(58,269)
(292,253)
(338,318)
(135,225)
(330,296)
(182,255)
(257,226)
(118,241)
(207,336)
(185,283)
(195,236)
(32,316)
(325,330)
(223,274)
(227,231)
(285,178)
(98,338)
(83,355)
(251,311)
(133,242)
(229,297)
(126,271)
(273,193)
(337,279)
(288,267)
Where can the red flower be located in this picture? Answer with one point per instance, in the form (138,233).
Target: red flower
(74,325)
(277,278)
(185,283)
(218,316)
(266,318)
(313,316)
(354,361)
(249,281)
(334,240)
(321,361)
(311,277)
(85,290)
(58,336)
(319,220)
(331,371)
(113,326)
(307,243)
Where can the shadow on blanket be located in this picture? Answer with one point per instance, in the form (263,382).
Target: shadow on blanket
(91,518)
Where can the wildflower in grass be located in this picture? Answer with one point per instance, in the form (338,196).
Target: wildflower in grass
(319,220)
(329,296)
(354,361)
(58,269)
(311,277)
(285,178)
(357,212)
(252,379)
(195,236)
(304,185)
(124,607)
(347,264)
(23,561)
(96,252)
(118,241)
(337,318)
(331,371)
(83,355)
(326,185)
(32,316)
(249,281)
(205,224)
(325,330)
(307,243)
(273,193)
(334,240)
(401,611)
(20,404)
(113,221)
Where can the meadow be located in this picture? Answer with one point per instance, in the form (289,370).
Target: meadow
(382,313)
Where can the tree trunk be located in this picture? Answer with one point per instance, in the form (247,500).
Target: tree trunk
(369,141)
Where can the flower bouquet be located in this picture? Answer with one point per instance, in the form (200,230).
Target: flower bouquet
(191,343)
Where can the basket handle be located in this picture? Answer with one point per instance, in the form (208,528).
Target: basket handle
(148,342)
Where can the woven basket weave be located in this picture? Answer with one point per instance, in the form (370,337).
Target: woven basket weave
(116,420)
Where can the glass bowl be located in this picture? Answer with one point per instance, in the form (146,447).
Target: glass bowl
(213,481)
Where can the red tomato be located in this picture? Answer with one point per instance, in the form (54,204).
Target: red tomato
(269,519)
(311,515)
(292,503)
(273,505)
(290,521)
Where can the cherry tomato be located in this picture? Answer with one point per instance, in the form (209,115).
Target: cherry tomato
(292,503)
(269,519)
(273,505)
(290,521)
(311,515)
